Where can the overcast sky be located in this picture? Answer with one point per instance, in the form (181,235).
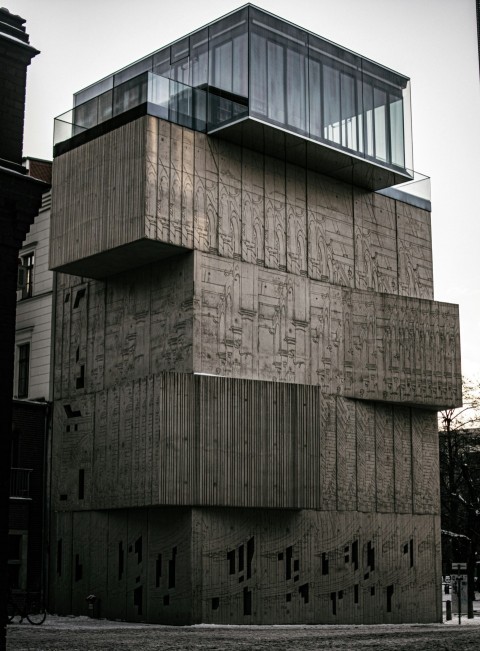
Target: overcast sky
(431,41)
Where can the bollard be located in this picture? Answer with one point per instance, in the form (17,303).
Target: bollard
(449,610)
(91,601)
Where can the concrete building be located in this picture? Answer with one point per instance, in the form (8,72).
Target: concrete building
(248,356)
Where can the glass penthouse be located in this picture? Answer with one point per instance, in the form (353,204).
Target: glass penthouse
(260,81)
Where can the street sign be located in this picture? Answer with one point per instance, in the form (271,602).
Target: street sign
(458,567)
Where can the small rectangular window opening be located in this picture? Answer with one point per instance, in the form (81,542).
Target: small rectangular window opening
(389,598)
(28,261)
(158,570)
(23,370)
(231,561)
(81,484)
(120,560)
(59,556)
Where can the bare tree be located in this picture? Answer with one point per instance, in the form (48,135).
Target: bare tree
(460,483)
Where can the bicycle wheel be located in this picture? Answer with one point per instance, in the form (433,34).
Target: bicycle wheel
(13,614)
(35,612)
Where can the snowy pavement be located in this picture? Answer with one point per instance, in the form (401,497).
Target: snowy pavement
(84,634)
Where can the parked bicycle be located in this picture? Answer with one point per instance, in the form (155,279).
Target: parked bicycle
(29,605)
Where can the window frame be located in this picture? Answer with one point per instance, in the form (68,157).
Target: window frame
(23,369)
(28,261)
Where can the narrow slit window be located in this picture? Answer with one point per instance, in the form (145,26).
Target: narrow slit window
(23,370)
(81,484)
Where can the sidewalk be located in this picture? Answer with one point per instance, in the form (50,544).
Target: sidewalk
(84,634)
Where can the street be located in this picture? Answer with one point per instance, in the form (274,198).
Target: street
(83,634)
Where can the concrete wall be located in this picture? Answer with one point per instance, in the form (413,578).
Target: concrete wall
(248,566)
(179,439)
(257,323)
(202,313)
(301,483)
(158,181)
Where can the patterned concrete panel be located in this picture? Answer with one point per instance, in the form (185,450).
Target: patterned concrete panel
(360,344)
(163,182)
(255,566)
(375,243)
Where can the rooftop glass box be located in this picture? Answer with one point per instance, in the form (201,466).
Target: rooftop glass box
(258,80)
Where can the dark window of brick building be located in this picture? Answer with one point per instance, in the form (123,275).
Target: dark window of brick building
(28,261)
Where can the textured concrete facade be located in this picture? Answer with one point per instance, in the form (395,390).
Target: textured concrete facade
(242,443)
(301,483)
(250,566)
(181,188)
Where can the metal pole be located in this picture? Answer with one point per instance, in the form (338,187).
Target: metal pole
(459,593)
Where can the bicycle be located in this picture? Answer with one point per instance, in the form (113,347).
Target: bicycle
(30,606)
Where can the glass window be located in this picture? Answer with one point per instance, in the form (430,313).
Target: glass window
(252,62)
(296,95)
(368,112)
(276,90)
(161,62)
(361,125)
(396,131)
(133,70)
(331,103)
(228,54)
(180,71)
(180,61)
(258,75)
(380,100)
(92,91)
(315,97)
(279,71)
(180,50)
(23,370)
(86,114)
(222,66)
(28,262)
(199,58)
(130,94)
(105,106)
(349,111)
(240,65)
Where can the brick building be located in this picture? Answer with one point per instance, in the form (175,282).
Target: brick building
(20,199)
(248,356)
(31,391)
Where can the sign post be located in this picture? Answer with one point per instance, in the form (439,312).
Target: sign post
(459,569)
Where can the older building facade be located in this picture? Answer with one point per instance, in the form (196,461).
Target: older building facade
(31,392)
(248,356)
(20,200)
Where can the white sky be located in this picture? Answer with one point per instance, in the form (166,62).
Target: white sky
(431,41)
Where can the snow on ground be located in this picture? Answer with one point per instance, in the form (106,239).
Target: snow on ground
(85,634)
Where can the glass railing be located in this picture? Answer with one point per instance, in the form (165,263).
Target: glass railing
(419,187)
(171,100)
(195,108)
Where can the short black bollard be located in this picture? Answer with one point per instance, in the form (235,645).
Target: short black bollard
(92,606)
(449,610)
